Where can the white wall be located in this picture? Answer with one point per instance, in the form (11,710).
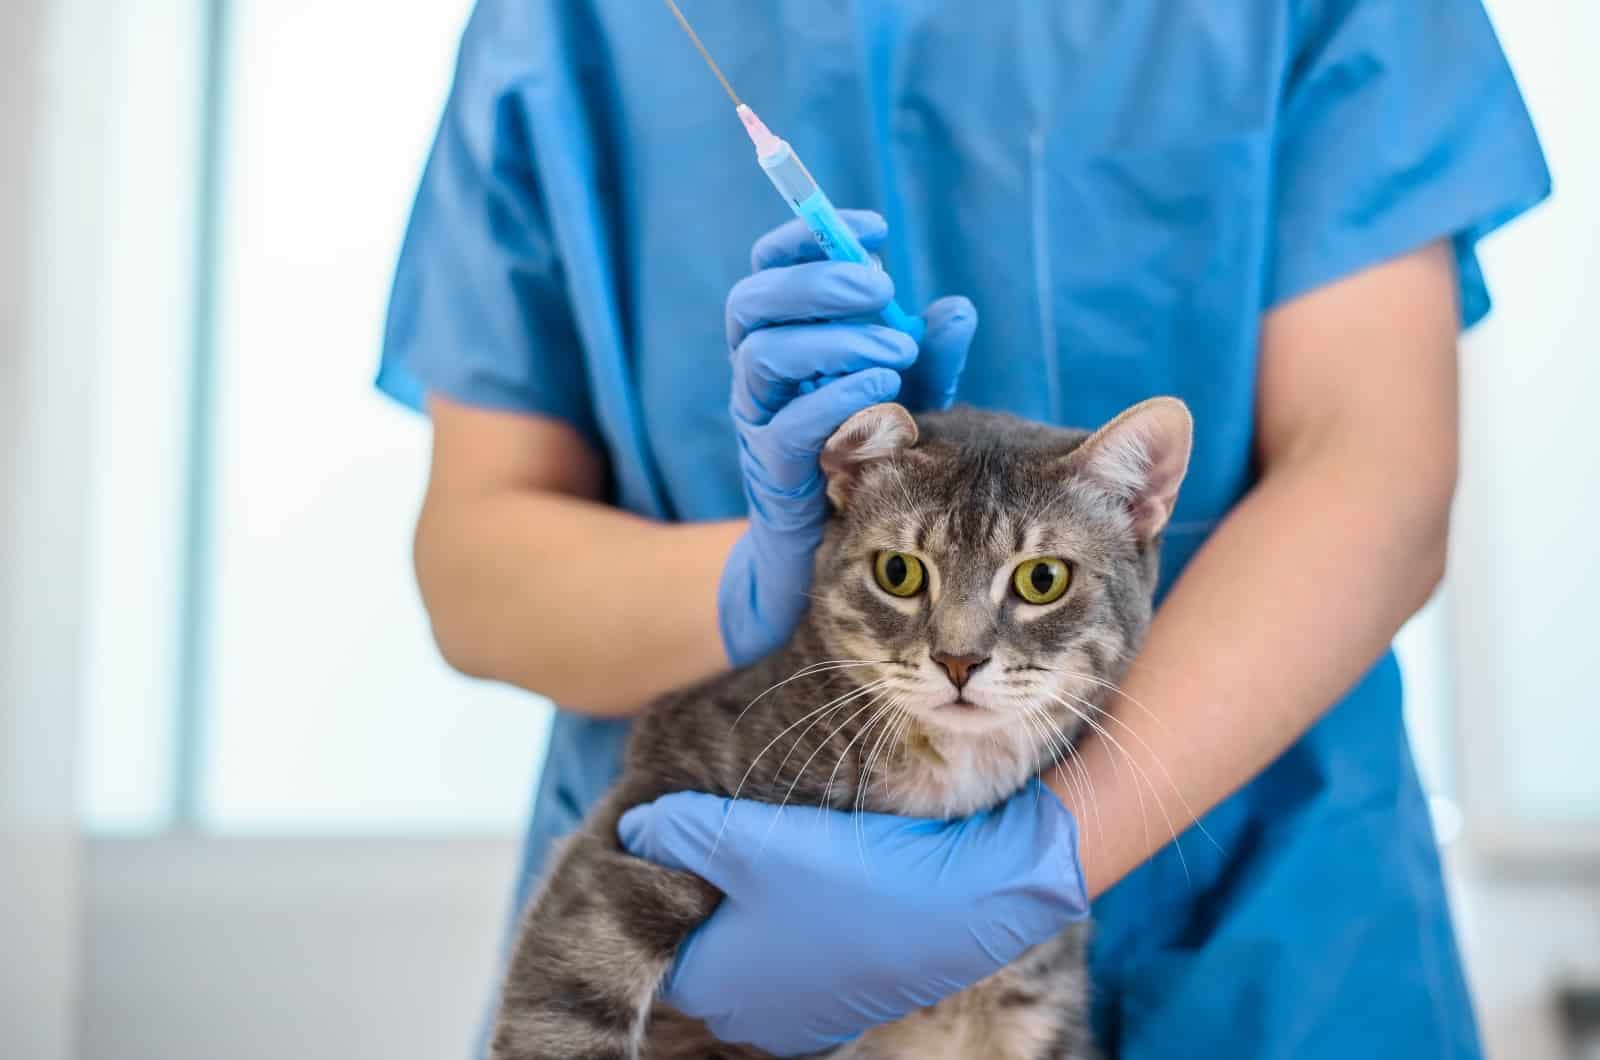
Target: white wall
(1524,935)
(260,949)
(50,139)
(1525,574)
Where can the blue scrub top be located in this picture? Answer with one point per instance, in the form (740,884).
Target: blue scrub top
(1123,187)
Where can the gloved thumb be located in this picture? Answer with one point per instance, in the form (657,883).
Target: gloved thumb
(930,383)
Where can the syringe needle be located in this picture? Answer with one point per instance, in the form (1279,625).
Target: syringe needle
(703,53)
(799,189)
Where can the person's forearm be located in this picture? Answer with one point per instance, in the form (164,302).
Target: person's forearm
(1291,601)
(598,609)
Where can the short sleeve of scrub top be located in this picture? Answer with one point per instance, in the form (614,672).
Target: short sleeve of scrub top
(1401,124)
(479,311)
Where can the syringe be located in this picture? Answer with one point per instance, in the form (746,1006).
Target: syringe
(812,205)
(800,190)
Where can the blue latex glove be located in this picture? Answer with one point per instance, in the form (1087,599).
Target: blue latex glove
(806,357)
(834,923)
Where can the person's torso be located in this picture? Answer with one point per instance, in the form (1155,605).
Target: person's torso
(1095,176)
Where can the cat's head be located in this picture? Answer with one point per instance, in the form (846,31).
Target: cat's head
(992,569)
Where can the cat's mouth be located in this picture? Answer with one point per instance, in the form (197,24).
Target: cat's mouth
(975,708)
(970,714)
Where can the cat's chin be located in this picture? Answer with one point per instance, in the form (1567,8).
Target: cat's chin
(963,716)
(953,768)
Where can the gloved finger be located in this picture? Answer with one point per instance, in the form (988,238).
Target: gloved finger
(773,365)
(788,447)
(694,832)
(792,242)
(931,382)
(818,290)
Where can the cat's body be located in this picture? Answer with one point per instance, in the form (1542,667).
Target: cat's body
(898,734)
(662,905)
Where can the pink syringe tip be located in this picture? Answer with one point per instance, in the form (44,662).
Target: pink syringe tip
(760,135)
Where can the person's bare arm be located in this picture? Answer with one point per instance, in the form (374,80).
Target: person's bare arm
(530,580)
(1302,587)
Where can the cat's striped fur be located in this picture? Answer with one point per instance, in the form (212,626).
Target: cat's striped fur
(976,490)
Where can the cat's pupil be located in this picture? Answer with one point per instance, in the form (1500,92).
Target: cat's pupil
(1043,577)
(896,570)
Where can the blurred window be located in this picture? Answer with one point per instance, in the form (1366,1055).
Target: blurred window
(263,662)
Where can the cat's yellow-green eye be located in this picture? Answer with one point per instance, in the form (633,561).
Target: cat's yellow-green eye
(1043,580)
(899,574)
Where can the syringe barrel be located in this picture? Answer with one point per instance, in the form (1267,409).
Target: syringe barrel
(788,174)
(836,238)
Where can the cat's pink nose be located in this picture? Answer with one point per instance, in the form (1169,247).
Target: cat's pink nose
(959,667)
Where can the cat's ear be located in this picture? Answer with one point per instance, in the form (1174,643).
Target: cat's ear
(1141,456)
(874,433)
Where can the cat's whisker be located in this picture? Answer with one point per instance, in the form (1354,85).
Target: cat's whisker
(801,721)
(1086,719)
(1133,765)
(1091,798)
(1083,784)
(866,782)
(876,699)
(827,790)
(844,754)
(893,723)
(839,702)
(1144,817)
(1079,777)
(1029,717)
(785,802)
(869,757)
(838,729)
(809,670)
(907,719)
(1055,740)
(1112,686)
(1133,777)
(882,712)
(1086,785)
(1166,774)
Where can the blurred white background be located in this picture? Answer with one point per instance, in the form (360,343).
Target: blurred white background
(214,663)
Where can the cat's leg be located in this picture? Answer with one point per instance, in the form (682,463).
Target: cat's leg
(1043,999)
(593,947)
(674,1036)
(1036,1008)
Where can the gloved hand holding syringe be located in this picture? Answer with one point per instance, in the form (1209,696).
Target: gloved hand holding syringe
(798,188)
(811,343)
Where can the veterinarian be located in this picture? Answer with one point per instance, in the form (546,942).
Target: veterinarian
(1269,210)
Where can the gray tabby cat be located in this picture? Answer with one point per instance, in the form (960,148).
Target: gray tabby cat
(1002,571)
